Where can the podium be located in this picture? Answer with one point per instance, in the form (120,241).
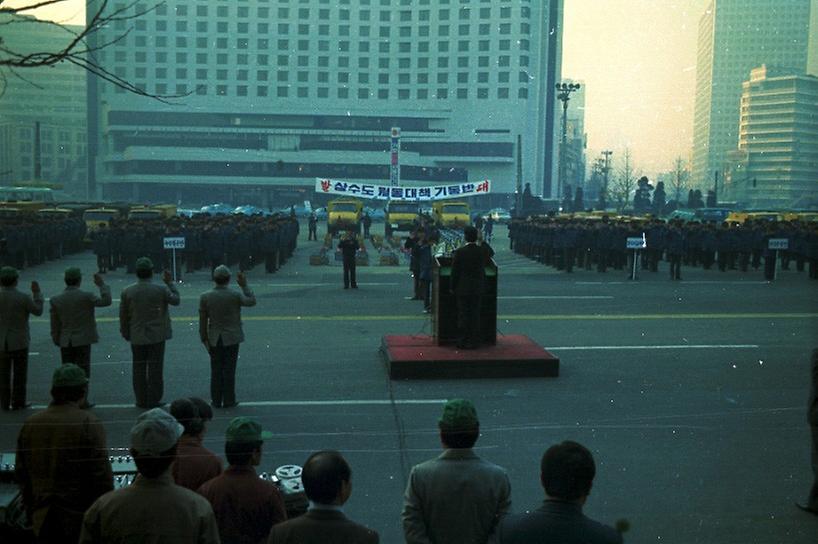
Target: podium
(444,304)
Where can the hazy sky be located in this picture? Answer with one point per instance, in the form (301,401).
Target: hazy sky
(637,58)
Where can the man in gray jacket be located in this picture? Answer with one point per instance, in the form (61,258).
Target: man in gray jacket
(456,497)
(73,325)
(812,418)
(145,323)
(221,333)
(15,307)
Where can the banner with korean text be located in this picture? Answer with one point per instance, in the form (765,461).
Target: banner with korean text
(414,194)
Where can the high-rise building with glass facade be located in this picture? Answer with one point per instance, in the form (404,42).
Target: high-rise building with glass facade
(736,36)
(279,92)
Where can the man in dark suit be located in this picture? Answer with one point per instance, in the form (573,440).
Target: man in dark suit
(348,246)
(144,321)
(812,419)
(468,279)
(221,332)
(567,473)
(73,326)
(327,482)
(15,307)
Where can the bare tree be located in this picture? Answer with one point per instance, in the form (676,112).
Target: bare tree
(623,184)
(80,46)
(678,183)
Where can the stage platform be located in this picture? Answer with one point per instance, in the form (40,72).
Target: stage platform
(514,356)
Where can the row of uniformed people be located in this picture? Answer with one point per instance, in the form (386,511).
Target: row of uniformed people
(209,242)
(568,242)
(28,240)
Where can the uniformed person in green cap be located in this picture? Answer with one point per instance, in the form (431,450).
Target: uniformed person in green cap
(62,461)
(144,321)
(73,324)
(457,497)
(15,307)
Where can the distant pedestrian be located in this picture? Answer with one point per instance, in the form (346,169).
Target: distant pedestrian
(246,507)
(456,497)
(221,333)
(15,308)
(73,323)
(327,482)
(366,221)
(312,224)
(144,321)
(812,418)
(348,246)
(425,272)
(567,473)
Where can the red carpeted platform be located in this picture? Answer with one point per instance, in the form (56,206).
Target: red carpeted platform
(513,356)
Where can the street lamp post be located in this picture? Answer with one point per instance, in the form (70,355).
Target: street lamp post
(564,91)
(605,169)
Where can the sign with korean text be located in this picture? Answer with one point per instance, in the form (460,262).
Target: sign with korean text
(779,244)
(637,242)
(394,150)
(411,194)
(175,242)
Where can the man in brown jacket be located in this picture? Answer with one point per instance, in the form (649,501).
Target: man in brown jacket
(73,325)
(812,419)
(62,463)
(145,323)
(15,307)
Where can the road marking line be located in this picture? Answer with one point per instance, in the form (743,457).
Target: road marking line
(517,317)
(265,403)
(669,346)
(555,297)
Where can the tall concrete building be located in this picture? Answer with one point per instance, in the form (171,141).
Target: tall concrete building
(776,164)
(54,97)
(734,37)
(279,92)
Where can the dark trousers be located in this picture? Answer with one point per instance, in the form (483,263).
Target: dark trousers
(148,383)
(223,361)
(769,267)
(812,502)
(675,266)
(426,293)
(13,376)
(468,320)
(349,272)
(312,234)
(79,355)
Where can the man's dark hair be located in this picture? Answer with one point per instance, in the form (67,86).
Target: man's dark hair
(8,281)
(66,394)
(72,282)
(459,439)
(152,466)
(203,407)
(144,273)
(187,414)
(240,454)
(470,234)
(323,474)
(567,471)
(222,280)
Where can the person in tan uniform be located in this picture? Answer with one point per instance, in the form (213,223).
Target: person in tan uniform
(62,463)
(145,323)
(15,307)
(153,508)
(221,333)
(73,324)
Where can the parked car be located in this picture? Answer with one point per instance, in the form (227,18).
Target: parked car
(499,215)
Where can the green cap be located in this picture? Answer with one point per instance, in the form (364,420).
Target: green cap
(69,375)
(8,273)
(459,415)
(246,429)
(72,273)
(143,263)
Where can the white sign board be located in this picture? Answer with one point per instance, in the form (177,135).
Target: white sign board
(414,194)
(637,242)
(176,242)
(779,243)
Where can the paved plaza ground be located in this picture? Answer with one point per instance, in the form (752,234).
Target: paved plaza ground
(690,394)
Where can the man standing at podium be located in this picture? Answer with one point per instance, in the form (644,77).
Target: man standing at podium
(468,283)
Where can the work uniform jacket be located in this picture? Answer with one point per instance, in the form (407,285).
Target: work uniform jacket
(150,510)
(15,307)
(62,462)
(322,526)
(456,497)
(220,315)
(143,312)
(555,521)
(72,316)
(194,463)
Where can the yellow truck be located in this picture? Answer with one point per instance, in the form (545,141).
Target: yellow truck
(344,214)
(451,214)
(400,216)
(95,217)
(150,213)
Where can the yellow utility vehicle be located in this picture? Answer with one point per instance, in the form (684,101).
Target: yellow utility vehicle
(399,216)
(451,214)
(96,217)
(344,214)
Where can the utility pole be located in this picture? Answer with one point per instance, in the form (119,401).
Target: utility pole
(518,204)
(605,169)
(564,91)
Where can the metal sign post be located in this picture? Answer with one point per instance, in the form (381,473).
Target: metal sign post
(173,243)
(636,244)
(777,244)
(394,149)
